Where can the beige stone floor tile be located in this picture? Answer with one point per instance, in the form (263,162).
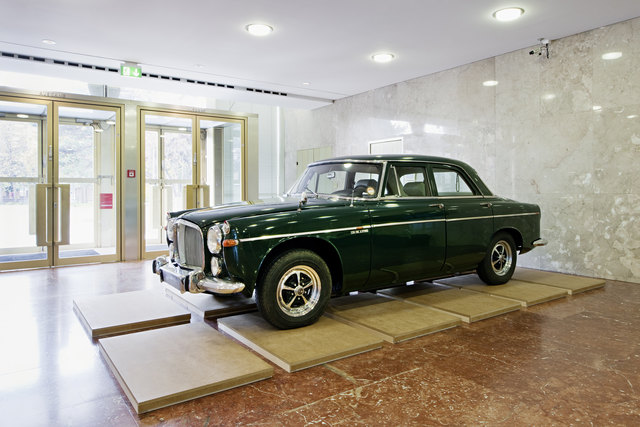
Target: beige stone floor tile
(526,293)
(125,312)
(468,305)
(573,284)
(392,320)
(210,306)
(166,366)
(300,348)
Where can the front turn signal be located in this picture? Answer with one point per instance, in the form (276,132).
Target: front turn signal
(229,243)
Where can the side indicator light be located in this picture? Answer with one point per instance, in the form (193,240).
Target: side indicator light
(229,243)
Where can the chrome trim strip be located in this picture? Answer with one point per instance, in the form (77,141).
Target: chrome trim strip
(470,218)
(364,227)
(304,233)
(519,214)
(423,221)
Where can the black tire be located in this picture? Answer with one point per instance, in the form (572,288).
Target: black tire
(294,289)
(499,263)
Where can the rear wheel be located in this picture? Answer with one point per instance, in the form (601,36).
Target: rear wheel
(294,289)
(499,263)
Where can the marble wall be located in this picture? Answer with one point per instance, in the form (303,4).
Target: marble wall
(562,132)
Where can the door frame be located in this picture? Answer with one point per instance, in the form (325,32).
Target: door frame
(50,145)
(197,144)
(57,261)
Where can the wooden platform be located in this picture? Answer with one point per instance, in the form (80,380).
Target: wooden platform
(166,366)
(114,314)
(572,284)
(392,320)
(301,348)
(210,306)
(526,293)
(469,306)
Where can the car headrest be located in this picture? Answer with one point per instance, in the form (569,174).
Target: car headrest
(366,183)
(415,189)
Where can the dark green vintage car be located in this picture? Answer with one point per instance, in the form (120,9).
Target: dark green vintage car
(355,223)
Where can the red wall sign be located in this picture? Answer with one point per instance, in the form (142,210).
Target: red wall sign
(131,173)
(106,200)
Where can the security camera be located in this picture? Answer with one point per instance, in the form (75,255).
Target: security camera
(543,48)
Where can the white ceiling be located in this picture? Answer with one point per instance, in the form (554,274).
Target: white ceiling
(327,43)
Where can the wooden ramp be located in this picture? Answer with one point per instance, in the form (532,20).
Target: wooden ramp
(390,319)
(125,312)
(572,284)
(467,305)
(166,366)
(525,293)
(210,306)
(296,349)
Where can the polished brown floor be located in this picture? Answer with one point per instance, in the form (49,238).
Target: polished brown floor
(574,361)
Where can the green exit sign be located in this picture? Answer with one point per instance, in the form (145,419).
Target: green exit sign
(130,71)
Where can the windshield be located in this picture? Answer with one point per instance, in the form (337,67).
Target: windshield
(340,179)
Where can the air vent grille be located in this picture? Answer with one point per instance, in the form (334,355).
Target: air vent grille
(144,75)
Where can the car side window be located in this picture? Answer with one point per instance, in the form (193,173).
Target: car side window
(407,181)
(450,182)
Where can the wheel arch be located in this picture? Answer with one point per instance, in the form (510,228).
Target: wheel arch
(323,248)
(514,233)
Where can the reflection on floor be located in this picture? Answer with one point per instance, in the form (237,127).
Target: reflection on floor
(575,360)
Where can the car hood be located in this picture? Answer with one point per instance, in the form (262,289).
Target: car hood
(206,216)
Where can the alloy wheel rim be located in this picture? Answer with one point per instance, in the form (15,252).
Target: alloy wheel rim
(298,291)
(501,258)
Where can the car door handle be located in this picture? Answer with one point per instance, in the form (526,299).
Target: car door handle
(437,205)
(486,205)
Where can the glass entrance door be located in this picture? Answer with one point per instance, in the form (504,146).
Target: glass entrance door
(24,176)
(86,183)
(58,183)
(169,170)
(190,161)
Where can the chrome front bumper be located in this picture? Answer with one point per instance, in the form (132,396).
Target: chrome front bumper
(192,279)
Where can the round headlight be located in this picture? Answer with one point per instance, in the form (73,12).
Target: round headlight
(215,266)
(214,239)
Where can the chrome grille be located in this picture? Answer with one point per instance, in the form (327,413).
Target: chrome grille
(190,247)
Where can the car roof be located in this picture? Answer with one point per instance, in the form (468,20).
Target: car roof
(395,157)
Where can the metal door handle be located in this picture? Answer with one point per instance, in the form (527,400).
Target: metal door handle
(42,208)
(61,237)
(486,205)
(191,196)
(437,205)
(203,196)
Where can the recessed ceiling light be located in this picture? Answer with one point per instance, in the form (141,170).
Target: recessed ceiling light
(306,83)
(632,116)
(597,108)
(259,29)
(508,14)
(549,96)
(383,57)
(22,116)
(182,129)
(49,42)
(490,83)
(611,55)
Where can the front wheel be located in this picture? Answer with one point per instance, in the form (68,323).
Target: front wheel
(294,289)
(499,263)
